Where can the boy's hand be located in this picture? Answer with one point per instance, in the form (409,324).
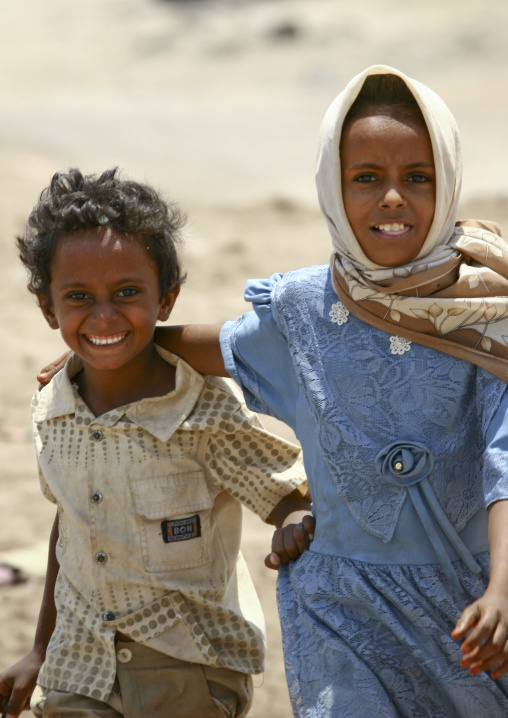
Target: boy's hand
(290,541)
(48,372)
(17,684)
(486,646)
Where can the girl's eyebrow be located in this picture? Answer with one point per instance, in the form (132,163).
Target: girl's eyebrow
(373,165)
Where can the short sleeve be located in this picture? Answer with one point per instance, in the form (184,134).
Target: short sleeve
(495,468)
(256,467)
(256,355)
(48,494)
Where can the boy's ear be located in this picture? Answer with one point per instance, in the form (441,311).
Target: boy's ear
(47,310)
(167,304)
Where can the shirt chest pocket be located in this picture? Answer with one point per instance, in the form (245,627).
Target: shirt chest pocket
(174,519)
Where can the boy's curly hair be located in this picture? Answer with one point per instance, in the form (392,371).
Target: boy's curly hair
(75,202)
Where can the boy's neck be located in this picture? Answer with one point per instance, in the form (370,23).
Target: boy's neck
(106,390)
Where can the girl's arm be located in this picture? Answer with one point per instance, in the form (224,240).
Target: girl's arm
(18,682)
(198,344)
(486,619)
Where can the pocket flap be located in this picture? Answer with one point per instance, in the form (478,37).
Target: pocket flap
(172,495)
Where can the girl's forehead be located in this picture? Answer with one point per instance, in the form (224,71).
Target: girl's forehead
(380,133)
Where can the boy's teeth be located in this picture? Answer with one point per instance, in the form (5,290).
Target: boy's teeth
(106,340)
(395,227)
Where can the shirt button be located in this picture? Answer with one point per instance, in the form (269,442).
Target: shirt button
(41,704)
(124,655)
(101,557)
(97,435)
(108,616)
(96,497)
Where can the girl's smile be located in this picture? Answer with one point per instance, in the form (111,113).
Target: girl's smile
(388,186)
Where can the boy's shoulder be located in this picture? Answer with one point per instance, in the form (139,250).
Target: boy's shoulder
(220,407)
(57,397)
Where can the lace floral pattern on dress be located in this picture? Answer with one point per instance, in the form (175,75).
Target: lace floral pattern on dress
(338,313)
(399,345)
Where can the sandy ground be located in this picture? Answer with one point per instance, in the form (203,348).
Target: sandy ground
(218,104)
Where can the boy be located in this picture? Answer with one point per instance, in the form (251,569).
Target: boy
(148,602)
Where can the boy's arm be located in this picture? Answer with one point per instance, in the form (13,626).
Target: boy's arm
(18,682)
(198,344)
(486,620)
(295,529)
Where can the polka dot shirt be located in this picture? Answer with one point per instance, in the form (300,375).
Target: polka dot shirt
(149,502)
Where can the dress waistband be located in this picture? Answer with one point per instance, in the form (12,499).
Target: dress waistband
(423,534)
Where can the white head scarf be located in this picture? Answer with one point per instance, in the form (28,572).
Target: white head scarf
(445,140)
(454,295)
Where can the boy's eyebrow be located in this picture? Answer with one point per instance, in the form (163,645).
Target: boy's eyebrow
(81,283)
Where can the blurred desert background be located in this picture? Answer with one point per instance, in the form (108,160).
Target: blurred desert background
(218,104)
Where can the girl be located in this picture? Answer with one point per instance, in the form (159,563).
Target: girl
(390,366)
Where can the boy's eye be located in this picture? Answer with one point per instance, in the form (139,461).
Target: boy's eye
(77,296)
(127,292)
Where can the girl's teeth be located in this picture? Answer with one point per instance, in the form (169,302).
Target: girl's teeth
(395,227)
(109,340)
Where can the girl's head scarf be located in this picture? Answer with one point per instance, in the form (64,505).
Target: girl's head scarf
(454,295)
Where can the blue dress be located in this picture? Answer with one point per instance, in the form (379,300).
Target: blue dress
(404,448)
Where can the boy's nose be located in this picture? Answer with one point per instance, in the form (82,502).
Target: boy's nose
(104,312)
(392,198)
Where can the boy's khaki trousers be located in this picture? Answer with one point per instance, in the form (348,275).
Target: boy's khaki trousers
(151,685)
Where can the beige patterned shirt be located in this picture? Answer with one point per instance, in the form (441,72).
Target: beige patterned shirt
(149,500)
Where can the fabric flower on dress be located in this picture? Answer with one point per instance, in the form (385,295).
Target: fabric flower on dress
(399,345)
(338,313)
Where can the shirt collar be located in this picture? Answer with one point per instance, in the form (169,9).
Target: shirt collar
(160,415)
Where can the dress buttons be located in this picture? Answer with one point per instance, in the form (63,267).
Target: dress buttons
(124,655)
(96,497)
(97,435)
(101,557)
(108,616)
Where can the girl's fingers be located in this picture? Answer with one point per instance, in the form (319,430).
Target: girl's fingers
(478,634)
(48,372)
(470,616)
(492,653)
(502,668)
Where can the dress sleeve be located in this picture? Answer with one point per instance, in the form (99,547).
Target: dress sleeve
(495,468)
(256,355)
(253,465)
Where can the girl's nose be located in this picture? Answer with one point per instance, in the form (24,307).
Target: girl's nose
(392,199)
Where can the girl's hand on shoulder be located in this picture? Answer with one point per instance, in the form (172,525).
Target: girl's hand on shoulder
(290,541)
(17,684)
(484,625)
(48,372)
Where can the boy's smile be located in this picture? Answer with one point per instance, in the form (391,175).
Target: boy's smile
(105,298)
(388,186)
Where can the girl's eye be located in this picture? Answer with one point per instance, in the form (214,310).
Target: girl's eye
(365,178)
(419,178)
(127,292)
